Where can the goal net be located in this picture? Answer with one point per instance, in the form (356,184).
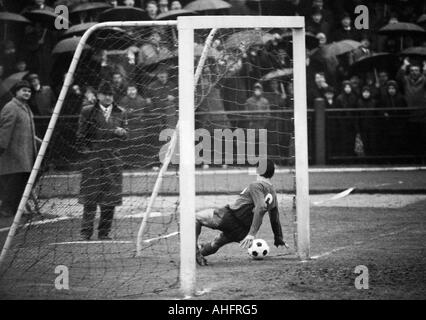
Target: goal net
(86,165)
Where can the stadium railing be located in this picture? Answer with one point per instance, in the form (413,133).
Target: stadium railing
(389,136)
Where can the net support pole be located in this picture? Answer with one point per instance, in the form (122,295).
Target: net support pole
(169,154)
(187,160)
(301,144)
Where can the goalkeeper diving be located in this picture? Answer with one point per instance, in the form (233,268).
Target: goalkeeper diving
(241,220)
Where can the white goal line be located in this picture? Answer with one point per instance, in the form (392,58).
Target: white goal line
(54,220)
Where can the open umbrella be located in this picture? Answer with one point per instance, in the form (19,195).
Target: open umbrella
(415,52)
(9,17)
(68,45)
(247,39)
(173,14)
(78,29)
(8,83)
(81,10)
(123,13)
(340,47)
(401,28)
(277,74)
(111,38)
(206,5)
(90,6)
(382,60)
(422,19)
(46,18)
(13,17)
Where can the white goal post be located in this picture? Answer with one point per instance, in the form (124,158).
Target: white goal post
(186,27)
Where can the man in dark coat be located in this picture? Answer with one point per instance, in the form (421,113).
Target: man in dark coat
(368,125)
(162,98)
(17,148)
(101,131)
(42,99)
(345,30)
(345,125)
(316,24)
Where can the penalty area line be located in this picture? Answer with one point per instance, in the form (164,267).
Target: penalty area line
(91,242)
(36,223)
(114,241)
(356,243)
(162,237)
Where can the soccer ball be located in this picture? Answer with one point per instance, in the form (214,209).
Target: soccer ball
(259,249)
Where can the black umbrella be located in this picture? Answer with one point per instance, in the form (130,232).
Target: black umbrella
(13,17)
(382,60)
(111,38)
(90,6)
(9,17)
(8,83)
(46,18)
(247,39)
(122,13)
(401,28)
(78,29)
(422,19)
(173,14)
(341,47)
(415,52)
(279,73)
(207,5)
(68,45)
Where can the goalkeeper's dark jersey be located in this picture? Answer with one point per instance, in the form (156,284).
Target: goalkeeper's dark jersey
(236,218)
(258,193)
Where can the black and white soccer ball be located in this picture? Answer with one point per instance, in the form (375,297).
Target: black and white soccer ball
(259,249)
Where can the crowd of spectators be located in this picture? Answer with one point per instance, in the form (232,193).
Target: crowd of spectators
(401,83)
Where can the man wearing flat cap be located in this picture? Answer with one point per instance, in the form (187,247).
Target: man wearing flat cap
(101,132)
(18,148)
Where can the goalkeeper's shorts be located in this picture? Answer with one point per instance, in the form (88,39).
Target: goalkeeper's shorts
(225,220)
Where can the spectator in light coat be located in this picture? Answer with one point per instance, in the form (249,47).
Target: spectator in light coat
(18,148)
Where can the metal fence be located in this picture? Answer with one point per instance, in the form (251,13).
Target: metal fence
(336,136)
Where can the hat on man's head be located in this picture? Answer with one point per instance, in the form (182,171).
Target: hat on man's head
(345,15)
(258,85)
(32,76)
(392,83)
(163,2)
(315,11)
(21,84)
(105,88)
